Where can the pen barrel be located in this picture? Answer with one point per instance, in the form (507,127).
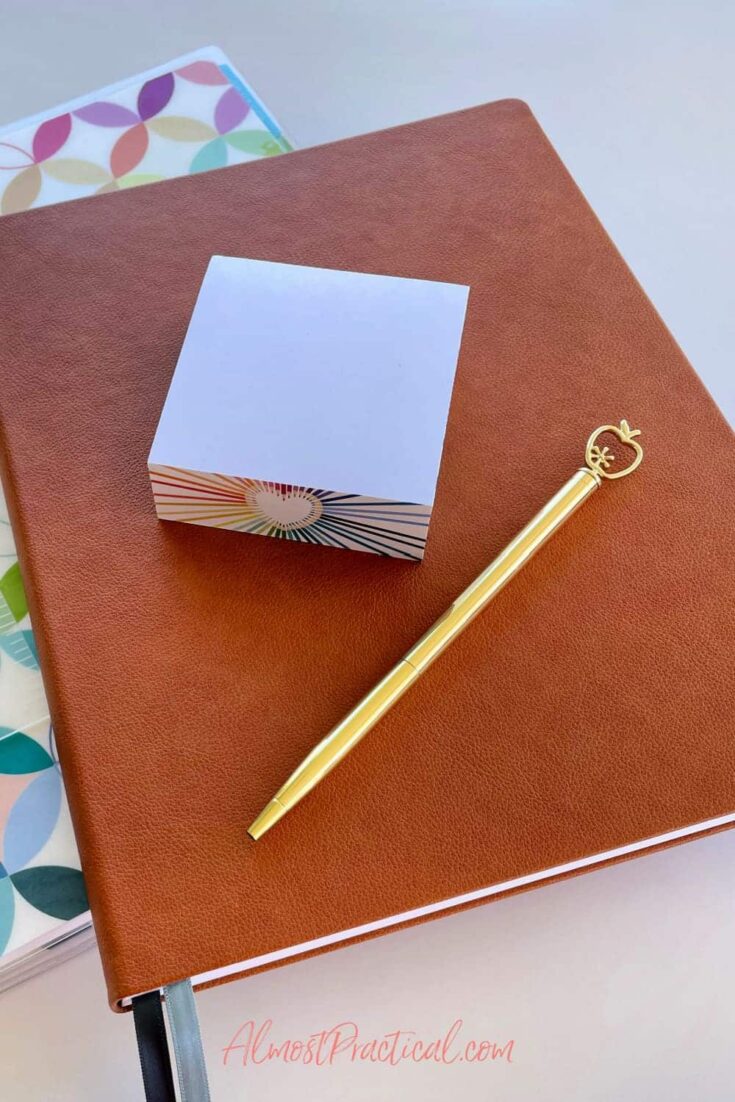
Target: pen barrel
(341,739)
(482,590)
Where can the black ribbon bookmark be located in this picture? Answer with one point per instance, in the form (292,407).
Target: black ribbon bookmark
(155,1061)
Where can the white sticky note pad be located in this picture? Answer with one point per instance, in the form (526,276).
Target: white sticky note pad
(310,404)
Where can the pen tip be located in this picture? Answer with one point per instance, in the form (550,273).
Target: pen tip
(268,817)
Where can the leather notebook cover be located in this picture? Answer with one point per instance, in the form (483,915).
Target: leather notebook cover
(587,712)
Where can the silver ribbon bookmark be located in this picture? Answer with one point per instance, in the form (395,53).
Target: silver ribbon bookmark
(187,1042)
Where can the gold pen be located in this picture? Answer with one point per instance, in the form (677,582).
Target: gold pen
(362,718)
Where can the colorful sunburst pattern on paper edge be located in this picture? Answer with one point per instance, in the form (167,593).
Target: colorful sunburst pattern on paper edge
(303,514)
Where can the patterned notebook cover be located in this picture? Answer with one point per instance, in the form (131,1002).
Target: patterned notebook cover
(191,115)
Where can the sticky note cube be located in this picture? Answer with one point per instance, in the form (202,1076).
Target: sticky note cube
(310,405)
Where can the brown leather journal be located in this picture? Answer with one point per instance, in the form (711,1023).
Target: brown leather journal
(586,716)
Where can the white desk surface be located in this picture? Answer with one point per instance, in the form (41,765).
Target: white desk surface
(614,985)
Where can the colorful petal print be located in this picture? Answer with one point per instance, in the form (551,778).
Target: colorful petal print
(32,820)
(212,155)
(203,72)
(12,157)
(11,589)
(230,111)
(138,178)
(258,142)
(12,785)
(19,753)
(7,908)
(22,191)
(30,642)
(102,113)
(21,647)
(71,170)
(53,889)
(129,150)
(154,95)
(179,128)
(50,137)
(7,620)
